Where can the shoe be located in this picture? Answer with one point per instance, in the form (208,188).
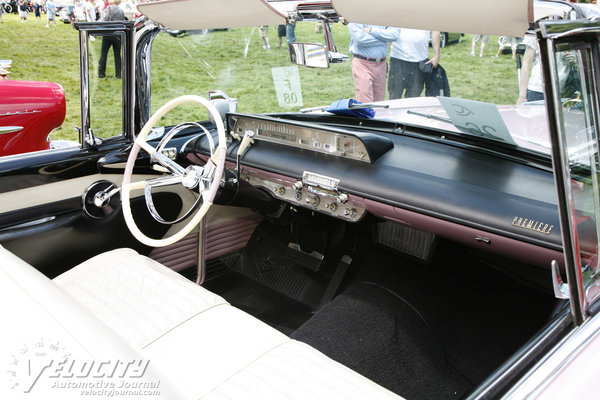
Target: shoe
(472,54)
(264,47)
(47,26)
(481,55)
(101,76)
(268,47)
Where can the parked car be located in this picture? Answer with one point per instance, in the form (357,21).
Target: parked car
(29,112)
(450,37)
(9,6)
(434,247)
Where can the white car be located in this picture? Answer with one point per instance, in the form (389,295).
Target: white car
(236,226)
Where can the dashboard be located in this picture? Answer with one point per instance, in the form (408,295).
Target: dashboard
(347,171)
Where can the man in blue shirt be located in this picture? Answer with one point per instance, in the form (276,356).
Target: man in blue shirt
(369,47)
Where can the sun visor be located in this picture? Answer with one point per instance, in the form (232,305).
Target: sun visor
(211,14)
(494,17)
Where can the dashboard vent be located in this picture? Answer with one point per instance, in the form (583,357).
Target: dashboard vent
(405,239)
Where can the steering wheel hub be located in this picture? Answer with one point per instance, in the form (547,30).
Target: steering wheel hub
(192,176)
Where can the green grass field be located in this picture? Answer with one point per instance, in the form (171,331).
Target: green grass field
(233,61)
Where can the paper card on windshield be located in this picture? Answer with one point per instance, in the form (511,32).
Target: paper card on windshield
(477,118)
(287,86)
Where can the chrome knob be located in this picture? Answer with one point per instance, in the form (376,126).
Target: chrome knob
(313,200)
(342,198)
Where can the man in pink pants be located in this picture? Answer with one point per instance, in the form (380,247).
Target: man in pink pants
(369,47)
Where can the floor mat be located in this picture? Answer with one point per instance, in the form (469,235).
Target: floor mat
(274,308)
(383,337)
(262,281)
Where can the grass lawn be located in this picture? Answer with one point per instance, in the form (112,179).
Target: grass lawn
(233,61)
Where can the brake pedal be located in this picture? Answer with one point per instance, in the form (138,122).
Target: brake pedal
(297,256)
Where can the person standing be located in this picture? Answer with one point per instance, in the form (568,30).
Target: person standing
(505,41)
(37,10)
(409,61)
(290,31)
(281,32)
(100,6)
(112,13)
(369,47)
(479,38)
(22,5)
(50,13)
(90,11)
(263,32)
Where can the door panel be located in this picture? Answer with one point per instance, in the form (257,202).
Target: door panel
(41,215)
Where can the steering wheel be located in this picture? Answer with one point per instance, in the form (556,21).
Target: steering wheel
(206,179)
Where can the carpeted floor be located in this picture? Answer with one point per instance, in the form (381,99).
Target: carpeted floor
(380,335)
(423,331)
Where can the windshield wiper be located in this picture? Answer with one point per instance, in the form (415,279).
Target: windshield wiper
(430,116)
(350,107)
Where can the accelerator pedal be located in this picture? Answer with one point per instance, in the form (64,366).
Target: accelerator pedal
(336,280)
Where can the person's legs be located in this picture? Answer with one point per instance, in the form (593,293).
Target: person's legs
(116,44)
(513,46)
(473,43)
(103,54)
(379,71)
(413,79)
(290,33)
(363,81)
(281,32)
(395,85)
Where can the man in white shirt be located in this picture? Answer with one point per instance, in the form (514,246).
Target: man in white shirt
(408,57)
(100,7)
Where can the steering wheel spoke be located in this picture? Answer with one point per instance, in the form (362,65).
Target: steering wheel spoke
(169,164)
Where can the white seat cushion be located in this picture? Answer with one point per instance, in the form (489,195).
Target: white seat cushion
(43,325)
(295,370)
(208,348)
(136,296)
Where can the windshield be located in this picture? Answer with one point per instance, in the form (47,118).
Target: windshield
(253,66)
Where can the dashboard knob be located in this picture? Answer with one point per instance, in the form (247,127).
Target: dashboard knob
(313,200)
(298,185)
(342,198)
(280,190)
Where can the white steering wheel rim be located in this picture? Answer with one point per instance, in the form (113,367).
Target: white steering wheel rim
(140,142)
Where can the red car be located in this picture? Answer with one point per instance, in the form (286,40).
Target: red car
(29,112)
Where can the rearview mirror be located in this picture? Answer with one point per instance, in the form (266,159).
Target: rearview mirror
(312,55)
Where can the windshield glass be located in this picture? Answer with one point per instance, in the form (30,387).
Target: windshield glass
(253,66)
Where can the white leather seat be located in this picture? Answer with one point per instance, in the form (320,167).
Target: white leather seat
(197,341)
(41,324)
